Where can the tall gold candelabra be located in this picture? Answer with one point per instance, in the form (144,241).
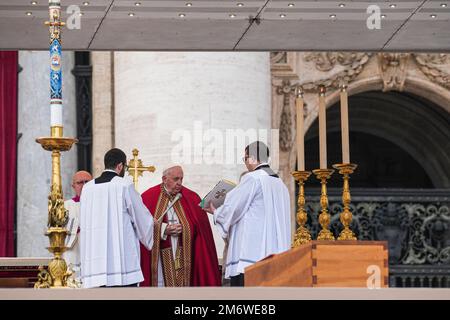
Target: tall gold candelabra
(324,218)
(346,169)
(57,274)
(302,236)
(57,214)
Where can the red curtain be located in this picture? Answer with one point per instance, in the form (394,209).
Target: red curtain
(8,147)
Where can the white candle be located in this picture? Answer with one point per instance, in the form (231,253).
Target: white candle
(344,126)
(56,114)
(300,130)
(322,129)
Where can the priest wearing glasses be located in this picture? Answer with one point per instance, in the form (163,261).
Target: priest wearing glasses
(255,217)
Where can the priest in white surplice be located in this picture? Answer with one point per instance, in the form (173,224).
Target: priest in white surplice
(113,220)
(255,216)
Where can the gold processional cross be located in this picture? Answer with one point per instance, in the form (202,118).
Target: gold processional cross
(136,168)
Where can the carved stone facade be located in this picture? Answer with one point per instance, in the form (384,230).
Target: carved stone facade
(425,75)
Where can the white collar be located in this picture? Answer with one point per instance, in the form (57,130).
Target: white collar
(109,170)
(167,191)
(261,164)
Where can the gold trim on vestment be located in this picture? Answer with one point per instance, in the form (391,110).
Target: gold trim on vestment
(176,272)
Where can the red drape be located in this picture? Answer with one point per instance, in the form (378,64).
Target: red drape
(8,147)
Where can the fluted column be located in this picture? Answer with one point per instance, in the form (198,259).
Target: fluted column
(162,97)
(102,107)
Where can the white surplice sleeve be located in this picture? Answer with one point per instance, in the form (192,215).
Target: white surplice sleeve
(140,217)
(237,202)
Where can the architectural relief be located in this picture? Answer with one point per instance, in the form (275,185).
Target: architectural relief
(350,66)
(286,126)
(392,68)
(436,67)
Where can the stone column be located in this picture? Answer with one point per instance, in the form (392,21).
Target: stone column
(102,108)
(33,162)
(163,100)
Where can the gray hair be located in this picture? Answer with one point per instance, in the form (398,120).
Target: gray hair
(167,170)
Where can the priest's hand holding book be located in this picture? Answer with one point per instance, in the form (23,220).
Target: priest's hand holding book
(210,208)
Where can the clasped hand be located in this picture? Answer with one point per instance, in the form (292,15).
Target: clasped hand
(173,229)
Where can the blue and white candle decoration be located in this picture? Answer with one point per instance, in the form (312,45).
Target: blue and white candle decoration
(55,64)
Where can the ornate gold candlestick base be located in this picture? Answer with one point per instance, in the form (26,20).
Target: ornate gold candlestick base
(57,274)
(57,267)
(324,218)
(346,169)
(302,236)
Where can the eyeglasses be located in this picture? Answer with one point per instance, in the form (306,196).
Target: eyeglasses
(81,182)
(126,167)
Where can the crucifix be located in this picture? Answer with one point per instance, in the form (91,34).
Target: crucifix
(220,194)
(172,220)
(136,168)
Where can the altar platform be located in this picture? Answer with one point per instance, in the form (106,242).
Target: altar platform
(21,271)
(222,293)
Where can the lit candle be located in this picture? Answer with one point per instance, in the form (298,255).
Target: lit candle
(300,130)
(322,129)
(344,125)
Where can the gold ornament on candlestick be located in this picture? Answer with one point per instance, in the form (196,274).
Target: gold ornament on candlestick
(346,169)
(302,236)
(324,218)
(136,168)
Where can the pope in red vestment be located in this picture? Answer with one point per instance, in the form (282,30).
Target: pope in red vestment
(187,256)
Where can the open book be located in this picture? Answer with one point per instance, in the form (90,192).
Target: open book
(72,226)
(217,194)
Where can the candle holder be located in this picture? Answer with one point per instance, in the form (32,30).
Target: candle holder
(346,169)
(57,214)
(303,235)
(58,274)
(324,218)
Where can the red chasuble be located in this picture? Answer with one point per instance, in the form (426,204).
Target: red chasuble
(196,261)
